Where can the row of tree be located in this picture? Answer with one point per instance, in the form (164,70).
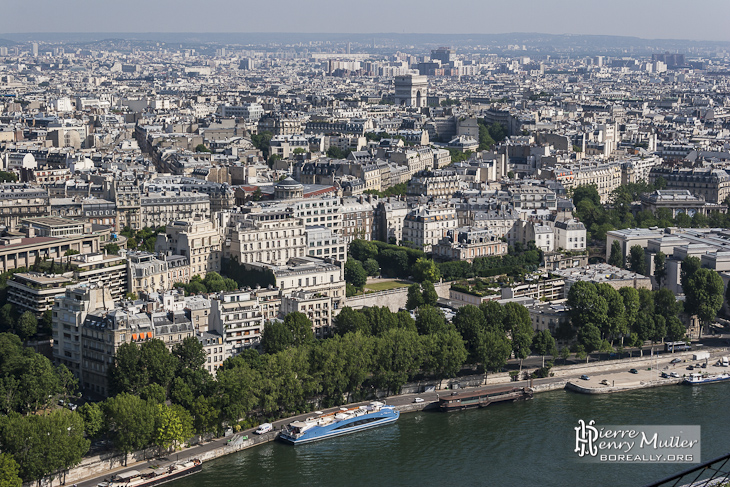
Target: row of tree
(601,315)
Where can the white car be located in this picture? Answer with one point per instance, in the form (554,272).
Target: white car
(418,399)
(264,428)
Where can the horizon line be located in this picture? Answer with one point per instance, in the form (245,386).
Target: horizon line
(460,34)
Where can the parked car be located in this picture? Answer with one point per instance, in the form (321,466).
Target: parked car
(634,371)
(675,360)
(604,382)
(690,367)
(418,399)
(704,366)
(264,428)
(585,377)
(674,374)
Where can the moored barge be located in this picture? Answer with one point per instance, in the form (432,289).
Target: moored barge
(479,399)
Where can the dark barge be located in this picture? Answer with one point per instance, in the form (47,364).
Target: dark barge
(479,399)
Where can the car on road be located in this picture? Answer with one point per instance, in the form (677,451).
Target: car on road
(585,377)
(634,371)
(418,399)
(604,382)
(704,366)
(264,428)
(690,367)
(674,374)
(675,360)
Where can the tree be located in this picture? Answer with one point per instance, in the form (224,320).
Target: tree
(660,270)
(355,274)
(27,325)
(363,250)
(543,344)
(158,361)
(517,322)
(589,336)
(131,421)
(127,373)
(300,327)
(112,249)
(446,353)
(93,418)
(615,323)
(630,298)
(471,324)
(586,305)
(8,177)
(637,260)
(153,393)
(430,296)
(690,265)
(169,431)
(9,471)
(589,192)
(257,194)
(494,350)
(704,294)
(397,357)
(430,320)
(349,321)
(294,331)
(415,297)
(617,255)
(426,270)
(371,267)
(205,415)
(189,353)
(201,148)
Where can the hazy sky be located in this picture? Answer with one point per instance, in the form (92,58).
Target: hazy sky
(671,19)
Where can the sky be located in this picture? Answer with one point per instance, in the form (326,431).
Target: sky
(649,19)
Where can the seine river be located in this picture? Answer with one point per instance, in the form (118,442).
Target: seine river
(522,444)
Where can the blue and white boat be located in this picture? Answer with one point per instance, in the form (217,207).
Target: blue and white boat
(338,423)
(705,378)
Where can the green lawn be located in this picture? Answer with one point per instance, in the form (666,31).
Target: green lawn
(385,285)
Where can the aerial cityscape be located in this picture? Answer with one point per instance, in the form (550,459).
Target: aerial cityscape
(213,240)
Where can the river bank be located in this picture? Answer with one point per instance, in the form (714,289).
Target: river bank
(95,469)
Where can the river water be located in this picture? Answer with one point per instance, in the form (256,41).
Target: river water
(523,444)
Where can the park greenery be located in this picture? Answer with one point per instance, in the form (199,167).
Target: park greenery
(490,134)
(212,283)
(143,239)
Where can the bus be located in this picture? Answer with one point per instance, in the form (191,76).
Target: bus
(676,347)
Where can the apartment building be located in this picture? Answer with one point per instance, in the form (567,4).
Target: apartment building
(147,273)
(69,314)
(21,201)
(570,235)
(318,307)
(160,209)
(424,226)
(272,236)
(198,240)
(237,316)
(322,243)
(468,243)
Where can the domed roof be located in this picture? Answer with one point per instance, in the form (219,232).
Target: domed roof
(289,182)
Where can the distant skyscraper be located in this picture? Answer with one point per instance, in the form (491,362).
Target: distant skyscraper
(349,45)
(34,49)
(3,51)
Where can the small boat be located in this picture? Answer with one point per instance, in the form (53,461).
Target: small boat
(338,423)
(696,378)
(150,477)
